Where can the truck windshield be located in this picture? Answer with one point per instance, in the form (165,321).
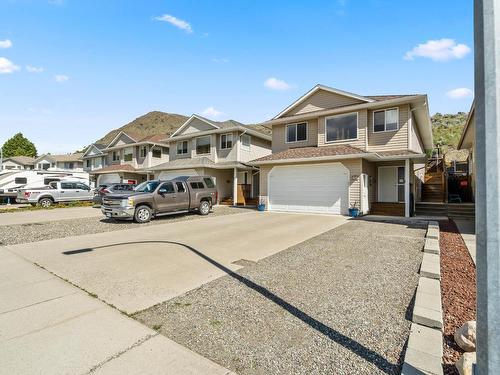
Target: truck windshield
(147,187)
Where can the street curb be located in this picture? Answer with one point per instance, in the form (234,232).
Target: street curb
(425,344)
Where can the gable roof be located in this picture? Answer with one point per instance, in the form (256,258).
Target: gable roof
(319,87)
(98,146)
(22,160)
(133,137)
(62,158)
(190,119)
(220,126)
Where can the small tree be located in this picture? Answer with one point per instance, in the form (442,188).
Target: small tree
(18,145)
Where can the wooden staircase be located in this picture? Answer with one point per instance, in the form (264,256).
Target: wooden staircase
(433,187)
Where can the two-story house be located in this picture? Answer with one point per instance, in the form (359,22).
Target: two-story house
(125,159)
(332,150)
(221,150)
(59,163)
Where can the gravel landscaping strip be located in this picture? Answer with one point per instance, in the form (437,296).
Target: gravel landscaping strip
(458,288)
(24,233)
(339,303)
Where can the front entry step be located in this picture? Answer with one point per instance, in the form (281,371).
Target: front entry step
(452,210)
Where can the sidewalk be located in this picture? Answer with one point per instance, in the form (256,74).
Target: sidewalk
(468,232)
(48,326)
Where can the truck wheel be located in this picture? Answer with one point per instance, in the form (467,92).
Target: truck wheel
(45,202)
(142,214)
(204,208)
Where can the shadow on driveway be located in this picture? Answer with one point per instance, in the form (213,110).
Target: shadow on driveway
(348,343)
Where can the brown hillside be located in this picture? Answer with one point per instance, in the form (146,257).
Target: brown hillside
(151,123)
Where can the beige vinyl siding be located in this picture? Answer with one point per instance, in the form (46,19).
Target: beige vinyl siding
(353,165)
(258,149)
(360,142)
(321,100)
(279,137)
(227,154)
(415,141)
(389,140)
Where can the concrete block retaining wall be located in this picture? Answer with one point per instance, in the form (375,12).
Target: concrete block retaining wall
(425,345)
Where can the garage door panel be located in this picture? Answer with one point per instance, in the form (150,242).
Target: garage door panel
(110,178)
(322,188)
(168,175)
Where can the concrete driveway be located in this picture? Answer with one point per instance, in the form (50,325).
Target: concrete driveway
(42,216)
(137,268)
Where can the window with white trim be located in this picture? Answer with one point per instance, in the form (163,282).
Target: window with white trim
(226,141)
(115,156)
(385,120)
(341,127)
(296,132)
(182,147)
(246,140)
(143,151)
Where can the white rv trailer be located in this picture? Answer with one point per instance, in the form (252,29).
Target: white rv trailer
(12,181)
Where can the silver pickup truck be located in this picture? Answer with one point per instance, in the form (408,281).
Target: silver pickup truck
(56,192)
(157,197)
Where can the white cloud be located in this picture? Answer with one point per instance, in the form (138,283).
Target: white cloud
(34,69)
(5,43)
(439,50)
(212,112)
(460,93)
(181,24)
(216,60)
(61,78)
(7,66)
(276,84)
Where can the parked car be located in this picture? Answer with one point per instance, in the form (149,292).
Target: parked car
(56,192)
(104,190)
(156,197)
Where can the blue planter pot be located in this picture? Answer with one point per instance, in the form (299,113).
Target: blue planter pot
(353,212)
(261,207)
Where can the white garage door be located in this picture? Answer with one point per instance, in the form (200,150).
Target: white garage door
(168,175)
(321,188)
(111,178)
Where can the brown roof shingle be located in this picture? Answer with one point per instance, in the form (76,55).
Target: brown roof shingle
(312,152)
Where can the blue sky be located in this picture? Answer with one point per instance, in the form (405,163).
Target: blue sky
(71,70)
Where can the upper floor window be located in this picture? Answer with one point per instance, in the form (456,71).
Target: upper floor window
(341,127)
(385,120)
(116,156)
(226,141)
(143,151)
(182,147)
(203,145)
(156,152)
(296,132)
(246,140)
(88,163)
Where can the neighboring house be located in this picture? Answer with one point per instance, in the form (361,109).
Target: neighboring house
(221,150)
(126,158)
(18,162)
(59,163)
(332,149)
(468,142)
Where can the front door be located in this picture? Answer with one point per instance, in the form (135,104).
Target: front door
(391,184)
(365,204)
